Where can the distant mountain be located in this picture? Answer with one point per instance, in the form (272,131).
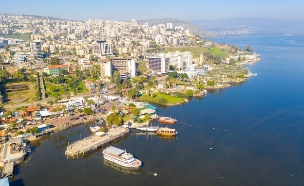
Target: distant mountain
(251,26)
(177,22)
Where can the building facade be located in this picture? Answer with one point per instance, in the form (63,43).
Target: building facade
(159,64)
(102,48)
(56,69)
(105,68)
(36,49)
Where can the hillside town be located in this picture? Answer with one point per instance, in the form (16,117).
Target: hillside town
(57,73)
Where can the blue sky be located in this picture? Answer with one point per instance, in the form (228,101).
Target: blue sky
(125,10)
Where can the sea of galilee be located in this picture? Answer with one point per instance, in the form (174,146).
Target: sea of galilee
(250,133)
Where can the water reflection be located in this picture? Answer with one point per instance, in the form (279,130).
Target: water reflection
(166,137)
(126,170)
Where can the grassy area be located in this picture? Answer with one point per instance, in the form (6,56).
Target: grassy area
(25,36)
(55,90)
(171,99)
(14,96)
(197,51)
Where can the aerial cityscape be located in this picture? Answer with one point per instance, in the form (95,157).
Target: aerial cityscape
(140,98)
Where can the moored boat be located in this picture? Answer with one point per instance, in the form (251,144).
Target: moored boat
(94,129)
(148,128)
(166,131)
(167,120)
(120,157)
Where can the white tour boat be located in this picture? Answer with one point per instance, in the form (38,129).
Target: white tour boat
(148,128)
(120,157)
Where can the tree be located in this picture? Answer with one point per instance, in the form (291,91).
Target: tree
(54,61)
(136,112)
(142,68)
(232,61)
(172,74)
(114,119)
(87,111)
(183,76)
(249,49)
(189,93)
(116,77)
(6,47)
(210,83)
(90,102)
(19,75)
(200,86)
(4,75)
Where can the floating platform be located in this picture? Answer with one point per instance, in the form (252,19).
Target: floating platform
(93,142)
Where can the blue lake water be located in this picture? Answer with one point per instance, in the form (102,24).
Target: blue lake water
(255,130)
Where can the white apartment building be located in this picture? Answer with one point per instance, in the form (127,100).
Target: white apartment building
(193,71)
(125,66)
(105,68)
(84,64)
(177,59)
(169,25)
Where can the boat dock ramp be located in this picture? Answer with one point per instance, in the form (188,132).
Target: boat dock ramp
(93,142)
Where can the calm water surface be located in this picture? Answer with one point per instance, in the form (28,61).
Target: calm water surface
(255,130)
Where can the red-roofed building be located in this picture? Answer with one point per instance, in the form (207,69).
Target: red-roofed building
(56,69)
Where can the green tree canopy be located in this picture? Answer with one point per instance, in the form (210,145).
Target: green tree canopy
(19,75)
(4,75)
(142,67)
(87,111)
(54,61)
(189,93)
(114,119)
(136,112)
(249,49)
(116,77)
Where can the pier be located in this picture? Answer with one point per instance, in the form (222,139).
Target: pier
(93,142)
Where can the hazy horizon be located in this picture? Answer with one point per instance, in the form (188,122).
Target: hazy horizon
(144,10)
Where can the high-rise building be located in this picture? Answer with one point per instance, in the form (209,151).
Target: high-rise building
(36,49)
(169,25)
(125,66)
(159,64)
(105,68)
(102,48)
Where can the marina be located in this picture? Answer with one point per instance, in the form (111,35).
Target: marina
(91,143)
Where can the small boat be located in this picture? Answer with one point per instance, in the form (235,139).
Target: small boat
(148,128)
(166,131)
(167,120)
(94,129)
(120,157)
(100,133)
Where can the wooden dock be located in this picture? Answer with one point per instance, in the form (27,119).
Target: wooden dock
(8,170)
(93,142)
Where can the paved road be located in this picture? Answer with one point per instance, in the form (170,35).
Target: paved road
(42,90)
